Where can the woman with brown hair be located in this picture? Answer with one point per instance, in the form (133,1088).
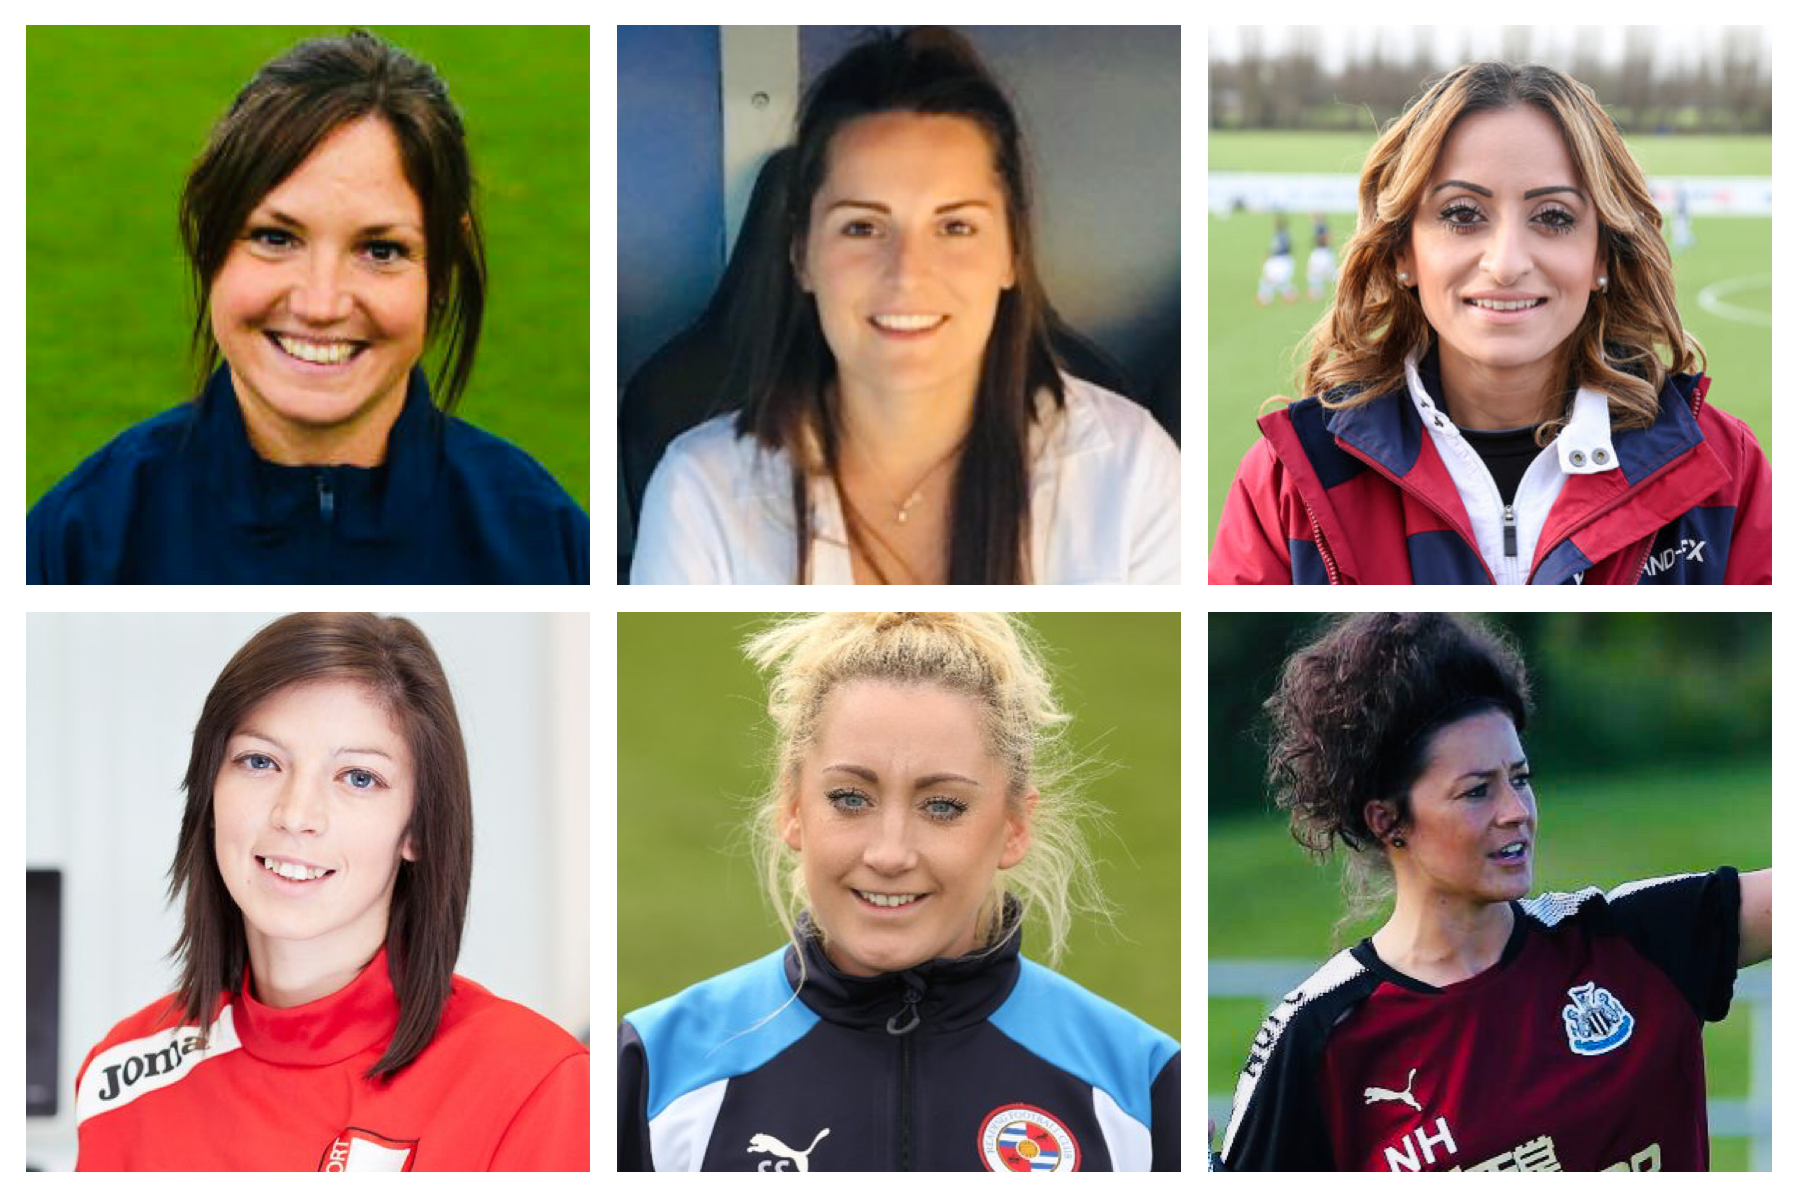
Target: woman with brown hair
(1477,1029)
(323,870)
(903,418)
(1502,390)
(331,234)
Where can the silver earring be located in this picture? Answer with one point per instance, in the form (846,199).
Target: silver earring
(1602,285)
(1399,842)
(1404,278)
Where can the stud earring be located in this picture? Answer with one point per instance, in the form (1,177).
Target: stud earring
(1398,842)
(1602,282)
(1405,278)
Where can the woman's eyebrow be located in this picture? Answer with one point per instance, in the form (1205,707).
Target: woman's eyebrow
(1533,194)
(924,780)
(261,737)
(279,217)
(1481,774)
(875,206)
(357,749)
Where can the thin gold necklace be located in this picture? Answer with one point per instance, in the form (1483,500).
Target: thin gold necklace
(903,509)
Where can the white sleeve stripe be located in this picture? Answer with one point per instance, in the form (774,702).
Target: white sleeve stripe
(1127,1141)
(1341,969)
(1553,907)
(132,1069)
(680,1133)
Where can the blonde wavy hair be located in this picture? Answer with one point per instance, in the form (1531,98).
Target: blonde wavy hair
(995,661)
(1361,343)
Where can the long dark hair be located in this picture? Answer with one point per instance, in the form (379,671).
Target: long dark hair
(295,102)
(782,368)
(392,658)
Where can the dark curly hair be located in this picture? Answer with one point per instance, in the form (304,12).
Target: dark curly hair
(1356,708)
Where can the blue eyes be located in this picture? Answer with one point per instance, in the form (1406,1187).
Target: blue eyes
(356,778)
(852,802)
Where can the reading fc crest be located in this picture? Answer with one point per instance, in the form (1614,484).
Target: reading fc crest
(1596,1022)
(1026,1139)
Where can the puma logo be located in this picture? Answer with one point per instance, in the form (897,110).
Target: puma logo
(762,1142)
(1377,1094)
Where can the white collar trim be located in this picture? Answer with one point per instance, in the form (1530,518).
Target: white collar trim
(1583,447)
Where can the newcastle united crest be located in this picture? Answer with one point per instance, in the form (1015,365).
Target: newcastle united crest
(1596,1022)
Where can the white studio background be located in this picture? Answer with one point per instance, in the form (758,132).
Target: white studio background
(111,703)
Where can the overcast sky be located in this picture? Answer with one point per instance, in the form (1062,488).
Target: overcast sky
(1449,45)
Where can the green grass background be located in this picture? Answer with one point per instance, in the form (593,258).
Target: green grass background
(693,738)
(114,119)
(1252,350)
(1267,900)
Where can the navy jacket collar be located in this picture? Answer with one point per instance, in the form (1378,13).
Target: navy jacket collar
(937,996)
(1388,431)
(365,502)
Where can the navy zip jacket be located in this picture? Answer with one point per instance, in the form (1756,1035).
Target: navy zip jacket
(184,498)
(988,1061)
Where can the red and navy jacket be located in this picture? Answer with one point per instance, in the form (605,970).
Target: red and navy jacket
(184,498)
(1579,1050)
(1361,495)
(984,1062)
(498,1088)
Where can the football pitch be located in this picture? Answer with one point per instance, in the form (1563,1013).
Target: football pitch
(1254,353)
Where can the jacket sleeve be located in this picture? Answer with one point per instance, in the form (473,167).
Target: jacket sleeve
(1251,546)
(550,1129)
(1165,1117)
(1752,542)
(634,1095)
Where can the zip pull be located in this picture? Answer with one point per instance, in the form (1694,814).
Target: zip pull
(327,501)
(910,1004)
(1509,528)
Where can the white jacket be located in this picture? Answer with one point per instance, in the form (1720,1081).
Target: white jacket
(1105,504)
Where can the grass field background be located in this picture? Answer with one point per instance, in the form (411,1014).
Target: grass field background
(693,738)
(114,119)
(1267,900)
(1252,350)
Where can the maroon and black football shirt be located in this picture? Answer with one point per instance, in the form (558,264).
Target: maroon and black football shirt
(1579,1050)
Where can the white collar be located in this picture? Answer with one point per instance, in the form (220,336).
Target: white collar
(1583,447)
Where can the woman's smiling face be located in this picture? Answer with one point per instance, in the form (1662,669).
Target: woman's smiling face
(321,306)
(315,779)
(908,252)
(1505,244)
(901,816)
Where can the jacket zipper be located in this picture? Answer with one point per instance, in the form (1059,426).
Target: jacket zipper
(1422,498)
(901,1025)
(1331,570)
(327,500)
(906,1148)
(1509,529)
